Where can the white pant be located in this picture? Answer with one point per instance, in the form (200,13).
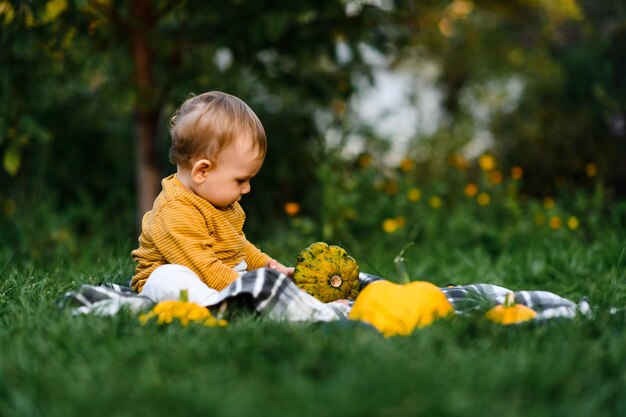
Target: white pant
(167,281)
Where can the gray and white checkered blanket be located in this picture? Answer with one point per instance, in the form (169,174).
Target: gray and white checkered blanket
(275,295)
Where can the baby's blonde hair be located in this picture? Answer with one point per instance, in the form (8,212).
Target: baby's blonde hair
(206,124)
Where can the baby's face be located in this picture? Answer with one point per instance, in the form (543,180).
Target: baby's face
(230,178)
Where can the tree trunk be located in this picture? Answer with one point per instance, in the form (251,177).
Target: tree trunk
(146,109)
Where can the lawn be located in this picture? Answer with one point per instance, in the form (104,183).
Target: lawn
(56,364)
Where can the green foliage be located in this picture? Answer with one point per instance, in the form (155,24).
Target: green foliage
(70,98)
(566,58)
(70,73)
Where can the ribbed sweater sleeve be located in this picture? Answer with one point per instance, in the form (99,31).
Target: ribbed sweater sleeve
(254,257)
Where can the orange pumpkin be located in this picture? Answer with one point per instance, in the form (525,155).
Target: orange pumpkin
(396,309)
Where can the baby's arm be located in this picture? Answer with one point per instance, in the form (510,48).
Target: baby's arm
(257,259)
(274,264)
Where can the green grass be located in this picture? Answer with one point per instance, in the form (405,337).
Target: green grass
(56,364)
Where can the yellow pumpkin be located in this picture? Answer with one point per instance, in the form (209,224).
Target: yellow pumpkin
(396,309)
(327,272)
(510,312)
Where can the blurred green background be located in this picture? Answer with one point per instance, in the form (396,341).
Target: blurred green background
(452,141)
(364,102)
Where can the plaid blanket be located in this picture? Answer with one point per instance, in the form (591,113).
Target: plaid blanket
(275,295)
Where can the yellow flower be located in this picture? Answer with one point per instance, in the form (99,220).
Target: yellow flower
(487,162)
(484,199)
(555,222)
(548,203)
(572,222)
(390,225)
(495,177)
(414,194)
(517,173)
(185,312)
(435,202)
(459,162)
(591,169)
(471,190)
(292,208)
(407,165)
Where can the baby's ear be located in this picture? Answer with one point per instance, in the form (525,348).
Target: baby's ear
(200,169)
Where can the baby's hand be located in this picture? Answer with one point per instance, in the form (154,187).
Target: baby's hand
(274,264)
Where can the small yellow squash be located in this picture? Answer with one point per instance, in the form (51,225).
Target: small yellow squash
(510,312)
(396,309)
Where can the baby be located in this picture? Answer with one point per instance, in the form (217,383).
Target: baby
(192,238)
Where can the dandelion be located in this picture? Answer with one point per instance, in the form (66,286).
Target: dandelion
(548,203)
(555,222)
(435,202)
(292,208)
(414,194)
(459,162)
(470,190)
(591,169)
(495,177)
(483,199)
(390,225)
(517,173)
(572,223)
(487,162)
(407,165)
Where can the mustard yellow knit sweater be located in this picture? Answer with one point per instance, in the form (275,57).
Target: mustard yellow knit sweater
(185,229)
